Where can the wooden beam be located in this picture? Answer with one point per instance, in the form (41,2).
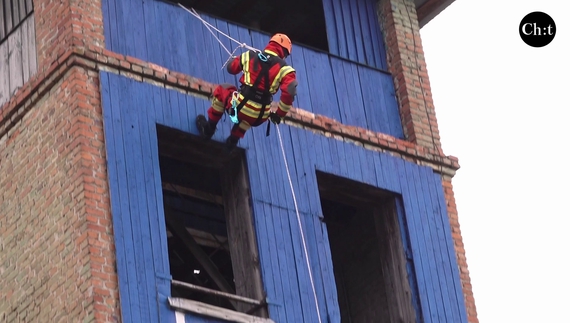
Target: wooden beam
(201,195)
(241,233)
(176,227)
(214,311)
(217,293)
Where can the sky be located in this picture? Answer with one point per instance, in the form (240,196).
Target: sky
(502,109)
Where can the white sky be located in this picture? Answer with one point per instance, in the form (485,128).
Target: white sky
(502,109)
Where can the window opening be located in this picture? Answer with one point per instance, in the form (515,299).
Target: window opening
(203,212)
(294,17)
(367,252)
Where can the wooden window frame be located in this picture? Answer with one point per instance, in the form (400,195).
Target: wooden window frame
(249,294)
(400,305)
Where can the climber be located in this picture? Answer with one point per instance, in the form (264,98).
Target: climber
(263,75)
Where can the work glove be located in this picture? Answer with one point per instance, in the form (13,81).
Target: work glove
(276,119)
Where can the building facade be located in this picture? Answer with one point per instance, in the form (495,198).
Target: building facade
(113,210)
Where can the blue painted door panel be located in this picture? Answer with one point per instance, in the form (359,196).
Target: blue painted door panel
(131,111)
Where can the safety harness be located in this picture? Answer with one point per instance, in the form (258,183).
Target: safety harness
(265,62)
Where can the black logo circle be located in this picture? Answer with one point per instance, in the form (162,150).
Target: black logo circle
(537,29)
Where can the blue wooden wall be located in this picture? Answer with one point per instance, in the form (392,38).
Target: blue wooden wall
(354,94)
(131,111)
(354,32)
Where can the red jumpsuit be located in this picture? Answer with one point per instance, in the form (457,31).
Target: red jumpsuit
(281,76)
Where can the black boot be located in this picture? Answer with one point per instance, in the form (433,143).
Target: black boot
(231,143)
(206,128)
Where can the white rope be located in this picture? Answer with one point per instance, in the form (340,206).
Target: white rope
(244,45)
(300,224)
(210,27)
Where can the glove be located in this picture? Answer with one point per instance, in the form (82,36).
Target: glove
(276,119)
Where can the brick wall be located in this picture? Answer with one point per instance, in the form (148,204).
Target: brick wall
(63,24)
(459,250)
(407,64)
(56,260)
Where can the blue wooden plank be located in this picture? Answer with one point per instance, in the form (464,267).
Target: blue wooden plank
(348,31)
(196,35)
(280,265)
(117,95)
(342,157)
(225,77)
(108,20)
(340,30)
(180,55)
(150,11)
(430,238)
(365,162)
(308,223)
(359,41)
(158,224)
(391,106)
(410,268)
(147,203)
(135,189)
(447,246)
(183,110)
(175,107)
(303,97)
(373,98)
(236,32)
(348,93)
(299,279)
(394,172)
(376,39)
(321,260)
(263,247)
(136,38)
(330,23)
(278,226)
(370,54)
(353,170)
(259,40)
(310,229)
(265,191)
(422,233)
(380,177)
(321,85)
(115,157)
(442,270)
(418,245)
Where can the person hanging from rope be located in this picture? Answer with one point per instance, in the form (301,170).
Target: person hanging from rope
(264,73)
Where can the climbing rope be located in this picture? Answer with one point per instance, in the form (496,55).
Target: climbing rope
(235,120)
(300,224)
(210,27)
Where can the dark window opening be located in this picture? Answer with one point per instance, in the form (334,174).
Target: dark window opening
(302,20)
(367,252)
(206,205)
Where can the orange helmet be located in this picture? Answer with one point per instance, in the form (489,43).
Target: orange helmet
(282,40)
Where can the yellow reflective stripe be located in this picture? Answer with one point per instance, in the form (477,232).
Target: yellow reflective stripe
(245,65)
(218,105)
(254,114)
(244,125)
(284,107)
(282,72)
(271,52)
